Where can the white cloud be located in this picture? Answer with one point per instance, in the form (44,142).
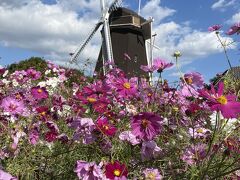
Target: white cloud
(234,19)
(153,9)
(222,4)
(48,29)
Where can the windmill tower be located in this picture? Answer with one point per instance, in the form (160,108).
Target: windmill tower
(124,32)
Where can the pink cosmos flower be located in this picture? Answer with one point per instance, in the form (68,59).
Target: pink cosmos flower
(217,101)
(160,64)
(148,68)
(234,29)
(152,174)
(33,74)
(116,170)
(146,125)
(215,27)
(12,106)
(39,92)
(105,127)
(194,79)
(125,87)
(88,171)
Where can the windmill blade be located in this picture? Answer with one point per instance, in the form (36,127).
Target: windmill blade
(81,48)
(115,5)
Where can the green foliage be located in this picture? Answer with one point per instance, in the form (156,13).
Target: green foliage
(34,62)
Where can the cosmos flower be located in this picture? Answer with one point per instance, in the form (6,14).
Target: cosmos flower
(152,174)
(146,125)
(215,27)
(83,128)
(105,127)
(234,29)
(33,74)
(217,101)
(128,136)
(194,79)
(160,64)
(149,150)
(6,176)
(39,92)
(88,171)
(12,106)
(125,88)
(116,170)
(194,154)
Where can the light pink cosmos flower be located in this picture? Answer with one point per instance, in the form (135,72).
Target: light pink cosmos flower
(194,154)
(149,150)
(217,101)
(83,128)
(152,174)
(12,106)
(215,27)
(234,29)
(128,136)
(6,176)
(88,171)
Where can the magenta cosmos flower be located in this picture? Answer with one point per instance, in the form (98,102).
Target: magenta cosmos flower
(215,27)
(217,101)
(105,127)
(12,106)
(116,170)
(125,88)
(146,125)
(234,29)
(39,92)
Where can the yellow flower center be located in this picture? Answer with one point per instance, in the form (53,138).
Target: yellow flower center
(43,113)
(145,123)
(200,130)
(106,127)
(222,100)
(149,95)
(127,85)
(151,176)
(39,90)
(175,109)
(117,172)
(189,80)
(91,100)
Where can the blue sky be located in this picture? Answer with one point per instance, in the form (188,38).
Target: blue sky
(53,28)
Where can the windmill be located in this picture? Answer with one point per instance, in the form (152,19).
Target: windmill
(124,32)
